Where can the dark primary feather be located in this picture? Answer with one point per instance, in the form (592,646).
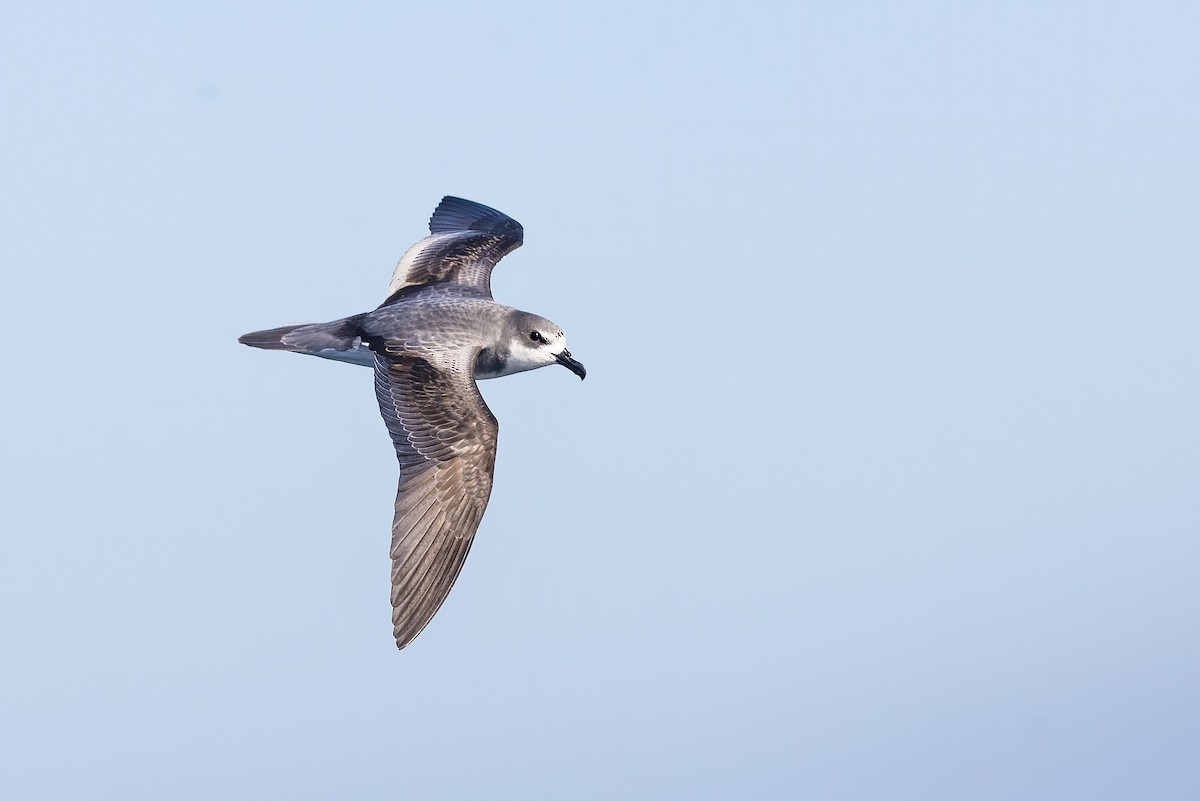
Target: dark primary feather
(445,439)
(457,214)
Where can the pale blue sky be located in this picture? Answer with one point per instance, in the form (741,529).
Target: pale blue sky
(883,483)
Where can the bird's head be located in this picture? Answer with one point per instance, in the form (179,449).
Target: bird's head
(534,342)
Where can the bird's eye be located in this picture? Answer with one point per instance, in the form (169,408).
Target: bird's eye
(536,336)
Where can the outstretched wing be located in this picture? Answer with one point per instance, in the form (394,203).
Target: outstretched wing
(466,240)
(445,438)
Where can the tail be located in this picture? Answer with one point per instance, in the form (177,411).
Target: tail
(338,340)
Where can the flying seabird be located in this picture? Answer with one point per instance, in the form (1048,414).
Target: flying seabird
(437,332)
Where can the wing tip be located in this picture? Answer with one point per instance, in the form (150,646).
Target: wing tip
(404,633)
(423,594)
(459,214)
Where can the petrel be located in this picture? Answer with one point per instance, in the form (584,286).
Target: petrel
(437,332)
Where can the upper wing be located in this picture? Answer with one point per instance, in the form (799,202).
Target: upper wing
(466,241)
(445,438)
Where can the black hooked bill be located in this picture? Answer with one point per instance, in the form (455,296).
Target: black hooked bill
(574,366)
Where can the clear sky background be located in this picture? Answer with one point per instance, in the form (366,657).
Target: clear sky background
(884,482)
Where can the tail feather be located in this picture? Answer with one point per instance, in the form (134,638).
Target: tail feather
(338,340)
(270,339)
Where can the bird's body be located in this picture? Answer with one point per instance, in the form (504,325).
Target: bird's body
(438,331)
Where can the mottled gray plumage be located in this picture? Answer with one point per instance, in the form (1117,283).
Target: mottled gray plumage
(436,333)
